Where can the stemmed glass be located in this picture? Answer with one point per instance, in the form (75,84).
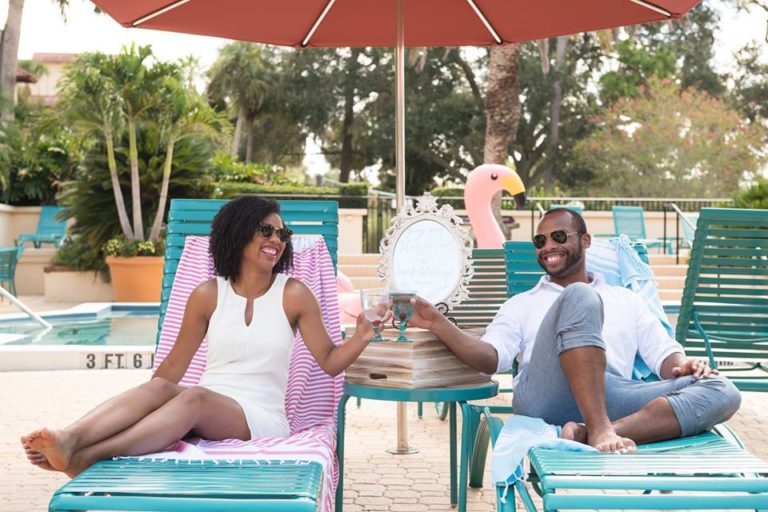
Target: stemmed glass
(402,309)
(375,304)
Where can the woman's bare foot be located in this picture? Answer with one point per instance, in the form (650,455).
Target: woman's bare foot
(574,432)
(35,458)
(608,441)
(76,465)
(53,445)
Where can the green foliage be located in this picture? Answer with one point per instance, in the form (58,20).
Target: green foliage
(226,169)
(121,246)
(76,253)
(750,94)
(89,197)
(36,155)
(670,143)
(755,197)
(353,189)
(348,195)
(636,65)
(532,148)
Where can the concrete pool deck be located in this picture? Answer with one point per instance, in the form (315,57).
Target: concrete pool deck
(374,479)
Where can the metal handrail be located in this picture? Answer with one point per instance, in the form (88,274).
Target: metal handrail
(16,302)
(680,214)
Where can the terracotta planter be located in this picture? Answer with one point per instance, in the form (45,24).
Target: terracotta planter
(137,279)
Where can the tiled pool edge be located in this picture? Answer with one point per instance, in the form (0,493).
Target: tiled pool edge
(78,357)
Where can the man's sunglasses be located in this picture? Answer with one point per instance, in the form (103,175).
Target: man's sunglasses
(559,236)
(267,230)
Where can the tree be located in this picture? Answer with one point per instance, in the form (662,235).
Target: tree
(241,76)
(9,49)
(670,143)
(112,98)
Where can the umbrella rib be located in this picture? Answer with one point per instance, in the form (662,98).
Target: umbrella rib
(158,12)
(485,21)
(317,22)
(652,7)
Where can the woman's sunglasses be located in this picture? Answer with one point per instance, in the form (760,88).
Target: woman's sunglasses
(559,236)
(267,230)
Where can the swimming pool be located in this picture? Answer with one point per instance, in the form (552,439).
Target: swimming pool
(89,336)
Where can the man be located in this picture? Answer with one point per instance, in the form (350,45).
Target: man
(576,339)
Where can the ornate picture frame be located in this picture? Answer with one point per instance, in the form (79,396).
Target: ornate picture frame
(427,250)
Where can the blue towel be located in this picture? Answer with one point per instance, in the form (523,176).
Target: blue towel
(520,434)
(621,266)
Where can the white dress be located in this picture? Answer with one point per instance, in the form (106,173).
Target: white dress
(249,363)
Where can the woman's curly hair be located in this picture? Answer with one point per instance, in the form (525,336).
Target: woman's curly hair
(234,227)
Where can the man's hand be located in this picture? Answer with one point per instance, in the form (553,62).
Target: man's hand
(424,314)
(694,367)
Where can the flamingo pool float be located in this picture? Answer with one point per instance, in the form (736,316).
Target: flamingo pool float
(482,183)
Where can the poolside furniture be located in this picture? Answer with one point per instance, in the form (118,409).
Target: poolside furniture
(50,230)
(293,474)
(9,257)
(689,230)
(630,220)
(713,469)
(724,310)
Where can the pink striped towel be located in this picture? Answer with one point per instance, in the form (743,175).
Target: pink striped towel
(312,395)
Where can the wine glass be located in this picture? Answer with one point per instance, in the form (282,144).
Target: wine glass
(402,309)
(375,304)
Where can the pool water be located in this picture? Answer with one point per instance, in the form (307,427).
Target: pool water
(123,326)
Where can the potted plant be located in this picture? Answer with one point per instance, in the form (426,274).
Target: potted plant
(129,259)
(142,125)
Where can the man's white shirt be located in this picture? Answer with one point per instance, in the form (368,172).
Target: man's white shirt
(629,327)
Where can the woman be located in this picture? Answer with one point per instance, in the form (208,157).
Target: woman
(249,314)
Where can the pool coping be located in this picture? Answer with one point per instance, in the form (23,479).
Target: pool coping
(77,357)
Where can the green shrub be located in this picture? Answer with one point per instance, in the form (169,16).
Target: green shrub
(226,169)
(76,253)
(755,197)
(121,246)
(348,195)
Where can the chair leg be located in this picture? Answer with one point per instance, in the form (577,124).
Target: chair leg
(482,437)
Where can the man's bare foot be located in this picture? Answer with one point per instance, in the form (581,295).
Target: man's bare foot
(574,432)
(53,445)
(608,441)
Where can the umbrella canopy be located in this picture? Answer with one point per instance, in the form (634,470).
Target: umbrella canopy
(393,23)
(339,23)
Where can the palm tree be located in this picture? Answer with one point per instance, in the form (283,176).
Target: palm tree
(88,99)
(116,96)
(182,114)
(241,75)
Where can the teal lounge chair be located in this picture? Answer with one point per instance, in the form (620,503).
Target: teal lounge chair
(9,257)
(132,484)
(50,230)
(630,221)
(713,469)
(724,310)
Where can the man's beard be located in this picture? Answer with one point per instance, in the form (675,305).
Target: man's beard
(571,263)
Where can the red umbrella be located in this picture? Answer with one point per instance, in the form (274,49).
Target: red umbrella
(396,23)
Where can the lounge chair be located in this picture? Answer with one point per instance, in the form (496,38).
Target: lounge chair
(9,257)
(297,473)
(50,230)
(712,469)
(630,221)
(724,310)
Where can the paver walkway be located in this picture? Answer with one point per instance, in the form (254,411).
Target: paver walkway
(375,480)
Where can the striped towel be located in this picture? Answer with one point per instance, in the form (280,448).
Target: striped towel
(311,396)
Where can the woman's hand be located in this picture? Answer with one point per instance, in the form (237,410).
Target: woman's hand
(363,328)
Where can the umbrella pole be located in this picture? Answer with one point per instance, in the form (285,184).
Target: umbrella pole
(402,447)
